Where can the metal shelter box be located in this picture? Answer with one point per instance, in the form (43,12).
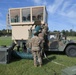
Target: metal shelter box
(5,55)
(20,32)
(27,15)
(69,71)
(21,20)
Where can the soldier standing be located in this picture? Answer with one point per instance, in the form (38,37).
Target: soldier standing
(35,44)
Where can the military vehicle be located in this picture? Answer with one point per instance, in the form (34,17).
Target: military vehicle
(59,42)
(27,19)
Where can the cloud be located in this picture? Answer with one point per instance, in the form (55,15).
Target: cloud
(65,5)
(63,8)
(70,12)
(37,1)
(55,6)
(40,2)
(44,3)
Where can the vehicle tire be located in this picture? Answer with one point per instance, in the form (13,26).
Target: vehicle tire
(71,51)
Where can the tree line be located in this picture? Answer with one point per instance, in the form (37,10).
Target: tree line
(5,32)
(65,32)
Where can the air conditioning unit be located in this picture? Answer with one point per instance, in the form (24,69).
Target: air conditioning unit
(69,71)
(5,55)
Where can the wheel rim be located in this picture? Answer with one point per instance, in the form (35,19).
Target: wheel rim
(72,52)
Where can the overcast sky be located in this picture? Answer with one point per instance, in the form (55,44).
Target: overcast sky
(61,13)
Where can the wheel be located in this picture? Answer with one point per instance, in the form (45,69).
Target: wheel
(71,51)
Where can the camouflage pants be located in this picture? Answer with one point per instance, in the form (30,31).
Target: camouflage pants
(37,58)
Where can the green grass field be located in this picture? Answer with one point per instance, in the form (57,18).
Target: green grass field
(72,38)
(56,63)
(5,40)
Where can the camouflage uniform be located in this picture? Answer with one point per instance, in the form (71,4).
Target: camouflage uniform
(35,42)
(45,36)
(41,37)
(44,29)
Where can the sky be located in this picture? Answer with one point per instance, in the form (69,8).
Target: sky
(61,13)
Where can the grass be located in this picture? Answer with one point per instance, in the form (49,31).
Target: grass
(72,37)
(56,63)
(5,40)
(25,66)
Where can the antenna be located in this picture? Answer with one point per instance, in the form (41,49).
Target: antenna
(7,23)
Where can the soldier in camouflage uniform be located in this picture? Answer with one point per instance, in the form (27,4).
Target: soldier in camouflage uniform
(40,35)
(35,44)
(45,35)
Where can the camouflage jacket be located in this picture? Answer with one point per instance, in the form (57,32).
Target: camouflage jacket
(35,43)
